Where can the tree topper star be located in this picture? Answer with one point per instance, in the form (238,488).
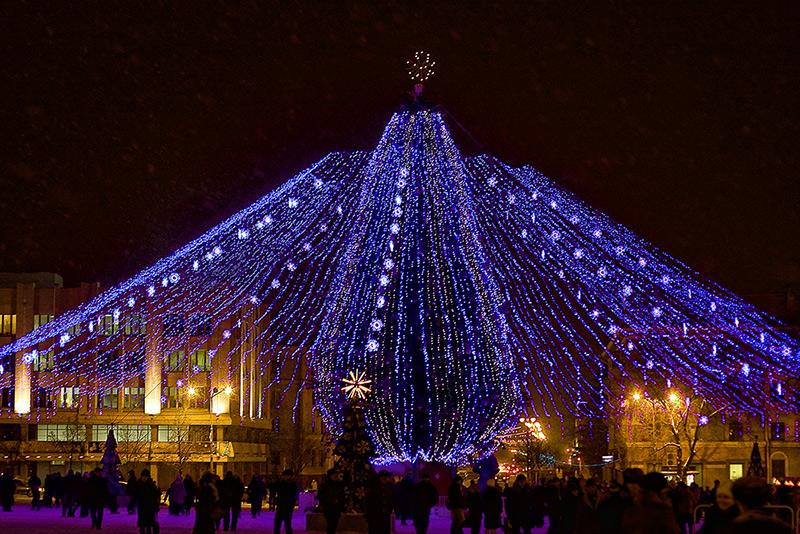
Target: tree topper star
(356,385)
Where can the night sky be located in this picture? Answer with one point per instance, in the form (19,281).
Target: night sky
(130,128)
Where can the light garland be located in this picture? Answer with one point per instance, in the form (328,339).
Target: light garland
(459,286)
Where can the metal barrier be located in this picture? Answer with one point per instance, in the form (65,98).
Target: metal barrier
(794,517)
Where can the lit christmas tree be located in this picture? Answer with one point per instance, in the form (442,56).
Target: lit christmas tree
(461,287)
(354,446)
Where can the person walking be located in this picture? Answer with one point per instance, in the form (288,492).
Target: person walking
(492,501)
(7,488)
(149,500)
(96,496)
(132,491)
(177,495)
(379,503)
(752,494)
(189,486)
(474,512)
(68,489)
(35,483)
(456,503)
(332,499)
(516,501)
(236,490)
(423,498)
(285,500)
(208,507)
(256,491)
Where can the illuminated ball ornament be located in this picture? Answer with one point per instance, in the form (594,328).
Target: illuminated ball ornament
(421,67)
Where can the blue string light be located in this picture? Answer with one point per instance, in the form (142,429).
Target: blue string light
(461,287)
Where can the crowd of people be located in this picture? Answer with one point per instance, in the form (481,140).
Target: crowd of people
(642,503)
(216,501)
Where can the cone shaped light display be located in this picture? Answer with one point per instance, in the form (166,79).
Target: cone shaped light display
(460,288)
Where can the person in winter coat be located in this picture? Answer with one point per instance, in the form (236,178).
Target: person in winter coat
(517,500)
(424,497)
(189,486)
(96,496)
(208,507)
(492,504)
(378,505)
(587,518)
(475,513)
(752,494)
(720,516)
(402,507)
(332,498)
(177,496)
(35,483)
(456,504)
(132,491)
(286,492)
(236,490)
(149,500)
(256,492)
(7,489)
(652,511)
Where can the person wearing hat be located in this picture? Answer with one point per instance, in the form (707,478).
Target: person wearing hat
(456,504)
(424,497)
(332,499)
(149,500)
(379,504)
(286,493)
(752,494)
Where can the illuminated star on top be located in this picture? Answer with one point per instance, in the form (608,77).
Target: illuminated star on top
(421,67)
(356,385)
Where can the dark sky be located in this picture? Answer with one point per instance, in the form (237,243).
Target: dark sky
(129,128)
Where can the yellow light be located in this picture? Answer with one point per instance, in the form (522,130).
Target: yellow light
(228,390)
(673,397)
(636,396)
(191,391)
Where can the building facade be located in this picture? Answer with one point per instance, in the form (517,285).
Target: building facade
(181,394)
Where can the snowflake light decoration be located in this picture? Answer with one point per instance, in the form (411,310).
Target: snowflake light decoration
(356,385)
(421,67)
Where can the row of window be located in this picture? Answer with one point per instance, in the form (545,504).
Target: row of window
(122,433)
(736,431)
(199,361)
(175,325)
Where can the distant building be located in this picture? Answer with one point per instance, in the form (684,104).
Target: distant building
(210,413)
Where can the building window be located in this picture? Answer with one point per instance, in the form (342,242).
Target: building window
(42,361)
(108,399)
(132,397)
(125,433)
(199,398)
(69,398)
(43,398)
(61,433)
(109,325)
(735,431)
(777,431)
(201,325)
(173,433)
(173,325)
(74,330)
(200,361)
(174,397)
(41,320)
(7,398)
(735,471)
(173,362)
(134,325)
(8,325)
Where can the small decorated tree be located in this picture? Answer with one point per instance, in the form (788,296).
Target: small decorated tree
(111,463)
(355,446)
(755,469)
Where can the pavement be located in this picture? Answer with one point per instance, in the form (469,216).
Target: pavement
(48,520)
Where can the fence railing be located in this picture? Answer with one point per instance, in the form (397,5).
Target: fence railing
(780,511)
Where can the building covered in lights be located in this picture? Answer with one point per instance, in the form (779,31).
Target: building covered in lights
(211,413)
